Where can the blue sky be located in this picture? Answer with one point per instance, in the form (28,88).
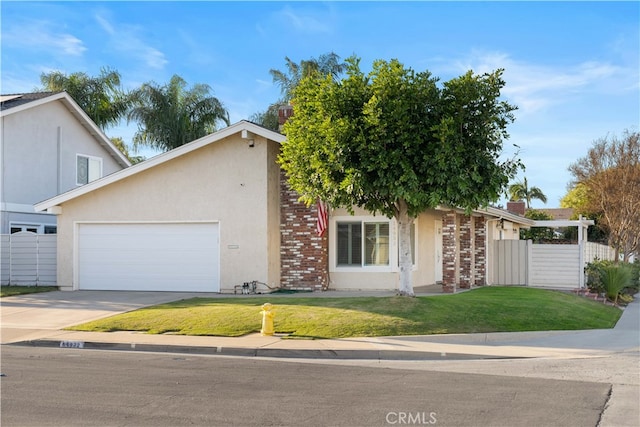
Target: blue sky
(572,68)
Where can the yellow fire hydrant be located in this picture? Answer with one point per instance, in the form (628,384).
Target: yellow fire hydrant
(267,319)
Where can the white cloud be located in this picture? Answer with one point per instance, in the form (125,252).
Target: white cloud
(537,87)
(42,36)
(305,22)
(263,85)
(125,39)
(105,25)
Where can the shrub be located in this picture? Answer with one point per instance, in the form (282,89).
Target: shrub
(614,279)
(601,278)
(594,275)
(634,286)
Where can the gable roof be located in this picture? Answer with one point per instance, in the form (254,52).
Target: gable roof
(247,130)
(15,103)
(18,99)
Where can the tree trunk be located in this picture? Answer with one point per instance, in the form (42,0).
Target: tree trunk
(404,234)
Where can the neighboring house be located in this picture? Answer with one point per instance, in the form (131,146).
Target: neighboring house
(558,213)
(217,212)
(48,146)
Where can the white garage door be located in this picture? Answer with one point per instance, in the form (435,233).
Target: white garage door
(149,257)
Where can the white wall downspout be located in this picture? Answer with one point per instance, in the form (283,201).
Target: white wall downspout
(489,257)
(59,159)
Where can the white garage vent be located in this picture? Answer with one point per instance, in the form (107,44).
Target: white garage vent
(177,257)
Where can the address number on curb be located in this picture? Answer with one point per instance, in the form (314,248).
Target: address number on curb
(71,344)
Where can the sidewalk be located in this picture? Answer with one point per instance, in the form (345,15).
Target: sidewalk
(548,344)
(603,355)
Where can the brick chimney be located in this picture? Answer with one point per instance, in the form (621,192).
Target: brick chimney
(284,112)
(303,254)
(517,208)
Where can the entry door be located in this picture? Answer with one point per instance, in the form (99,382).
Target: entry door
(438,251)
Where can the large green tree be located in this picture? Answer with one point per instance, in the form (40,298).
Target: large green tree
(577,198)
(395,142)
(171,115)
(521,191)
(326,64)
(100,97)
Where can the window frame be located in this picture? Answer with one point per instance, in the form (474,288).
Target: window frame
(393,247)
(26,226)
(89,169)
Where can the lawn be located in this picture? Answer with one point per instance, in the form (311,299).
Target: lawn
(8,291)
(489,309)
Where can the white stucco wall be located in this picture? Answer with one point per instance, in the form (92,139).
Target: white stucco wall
(506,230)
(39,148)
(226,181)
(35,167)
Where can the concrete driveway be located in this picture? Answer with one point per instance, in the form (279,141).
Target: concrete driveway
(33,316)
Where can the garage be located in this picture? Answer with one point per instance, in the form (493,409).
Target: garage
(176,257)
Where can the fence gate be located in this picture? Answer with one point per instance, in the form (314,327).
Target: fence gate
(28,259)
(520,262)
(510,263)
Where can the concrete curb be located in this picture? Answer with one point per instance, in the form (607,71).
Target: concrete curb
(350,354)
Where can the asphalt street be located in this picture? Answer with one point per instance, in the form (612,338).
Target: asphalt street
(545,378)
(72,387)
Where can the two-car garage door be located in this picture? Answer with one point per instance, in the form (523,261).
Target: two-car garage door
(149,257)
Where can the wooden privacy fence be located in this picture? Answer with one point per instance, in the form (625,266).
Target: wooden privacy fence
(521,262)
(28,259)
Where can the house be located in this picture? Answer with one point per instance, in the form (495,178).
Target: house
(49,146)
(559,213)
(218,212)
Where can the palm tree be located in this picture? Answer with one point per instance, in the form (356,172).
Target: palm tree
(120,145)
(521,191)
(100,97)
(169,116)
(325,64)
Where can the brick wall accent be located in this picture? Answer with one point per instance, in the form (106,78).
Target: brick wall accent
(303,255)
(466,241)
(449,252)
(480,251)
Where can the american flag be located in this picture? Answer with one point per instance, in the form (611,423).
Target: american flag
(323,218)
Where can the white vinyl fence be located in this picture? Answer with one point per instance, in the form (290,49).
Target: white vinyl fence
(555,266)
(596,250)
(520,262)
(28,259)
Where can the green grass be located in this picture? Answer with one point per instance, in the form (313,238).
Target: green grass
(490,309)
(8,291)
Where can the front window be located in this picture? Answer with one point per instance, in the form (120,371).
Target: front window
(87,169)
(350,244)
(377,243)
(363,243)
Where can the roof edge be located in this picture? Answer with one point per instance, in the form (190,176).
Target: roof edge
(81,115)
(160,159)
